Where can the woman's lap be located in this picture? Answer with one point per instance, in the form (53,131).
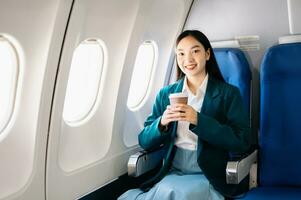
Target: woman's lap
(185,181)
(174,186)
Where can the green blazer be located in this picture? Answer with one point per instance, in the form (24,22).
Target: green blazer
(223,127)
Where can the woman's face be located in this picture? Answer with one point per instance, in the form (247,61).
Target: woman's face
(192,57)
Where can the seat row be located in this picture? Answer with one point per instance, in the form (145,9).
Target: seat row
(279,165)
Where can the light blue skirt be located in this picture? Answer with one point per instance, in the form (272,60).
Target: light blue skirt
(185,181)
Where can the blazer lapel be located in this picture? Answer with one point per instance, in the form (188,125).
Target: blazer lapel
(179,86)
(212,93)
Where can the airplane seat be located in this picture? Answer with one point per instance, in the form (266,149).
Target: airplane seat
(236,71)
(279,164)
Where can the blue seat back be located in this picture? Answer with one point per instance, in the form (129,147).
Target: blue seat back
(280,116)
(236,71)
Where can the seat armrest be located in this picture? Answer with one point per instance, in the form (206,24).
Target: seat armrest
(144,161)
(238,170)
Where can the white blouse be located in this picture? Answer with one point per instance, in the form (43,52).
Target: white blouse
(186,139)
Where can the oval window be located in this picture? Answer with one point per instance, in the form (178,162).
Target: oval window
(141,78)
(9,68)
(84,80)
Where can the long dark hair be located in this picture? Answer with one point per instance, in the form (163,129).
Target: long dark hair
(211,65)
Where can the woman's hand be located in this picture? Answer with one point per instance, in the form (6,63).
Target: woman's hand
(179,112)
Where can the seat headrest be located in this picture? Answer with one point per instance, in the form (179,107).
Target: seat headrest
(282,61)
(236,71)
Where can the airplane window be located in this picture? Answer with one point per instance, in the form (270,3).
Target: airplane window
(8,80)
(84,80)
(142,74)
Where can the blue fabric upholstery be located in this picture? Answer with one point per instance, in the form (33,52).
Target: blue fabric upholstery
(280,132)
(280,124)
(236,71)
(274,193)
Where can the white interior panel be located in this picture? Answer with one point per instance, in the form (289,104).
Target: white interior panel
(88,142)
(227,20)
(79,147)
(161,22)
(224,20)
(79,157)
(294,13)
(23,143)
(84,158)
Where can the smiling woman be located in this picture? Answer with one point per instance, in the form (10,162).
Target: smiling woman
(192,58)
(211,125)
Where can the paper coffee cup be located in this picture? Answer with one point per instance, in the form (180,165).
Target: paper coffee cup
(180,98)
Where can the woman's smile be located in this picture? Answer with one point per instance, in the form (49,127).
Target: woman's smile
(191,66)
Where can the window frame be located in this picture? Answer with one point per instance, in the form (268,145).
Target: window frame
(154,65)
(15,80)
(93,107)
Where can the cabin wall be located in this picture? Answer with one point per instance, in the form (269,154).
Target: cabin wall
(294,15)
(31,26)
(225,20)
(88,155)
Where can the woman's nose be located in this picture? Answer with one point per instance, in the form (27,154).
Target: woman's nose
(189,57)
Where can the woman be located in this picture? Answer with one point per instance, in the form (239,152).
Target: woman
(199,135)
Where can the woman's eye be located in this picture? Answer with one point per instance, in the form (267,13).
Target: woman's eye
(180,54)
(195,51)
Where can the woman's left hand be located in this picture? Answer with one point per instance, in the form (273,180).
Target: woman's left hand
(186,113)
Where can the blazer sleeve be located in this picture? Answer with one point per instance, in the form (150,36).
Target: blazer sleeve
(234,135)
(151,137)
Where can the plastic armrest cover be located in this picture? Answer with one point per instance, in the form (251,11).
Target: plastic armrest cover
(144,161)
(238,170)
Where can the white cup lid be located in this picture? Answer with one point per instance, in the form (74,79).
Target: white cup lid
(180,94)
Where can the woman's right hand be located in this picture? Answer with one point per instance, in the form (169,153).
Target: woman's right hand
(169,116)
(179,112)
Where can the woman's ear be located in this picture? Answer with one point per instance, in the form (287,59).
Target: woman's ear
(208,54)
